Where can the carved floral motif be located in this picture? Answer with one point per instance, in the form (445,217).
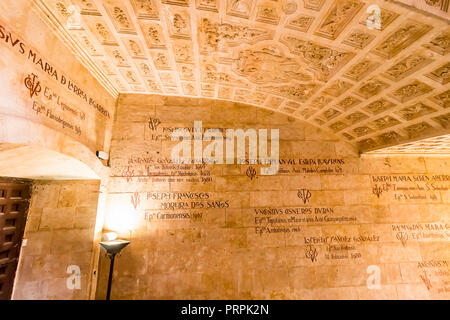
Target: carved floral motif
(440,43)
(406,67)
(360,70)
(337,18)
(443,120)
(358,39)
(268,12)
(385,122)
(418,129)
(401,38)
(411,90)
(442,99)
(338,126)
(299,92)
(389,137)
(268,64)
(239,8)
(180,26)
(301,23)
(371,88)
(153,34)
(337,88)
(362,131)
(213,35)
(356,117)
(379,106)
(313,4)
(325,61)
(209,5)
(415,111)
(348,103)
(441,74)
(331,113)
(145,9)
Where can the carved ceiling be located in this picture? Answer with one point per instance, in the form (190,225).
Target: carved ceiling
(435,145)
(329,63)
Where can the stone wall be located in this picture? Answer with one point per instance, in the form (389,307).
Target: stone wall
(59,233)
(321,228)
(48,98)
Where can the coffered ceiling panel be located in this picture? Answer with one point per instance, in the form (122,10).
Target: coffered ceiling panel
(375,73)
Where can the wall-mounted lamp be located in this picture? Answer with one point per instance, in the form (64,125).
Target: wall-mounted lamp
(112,247)
(102,155)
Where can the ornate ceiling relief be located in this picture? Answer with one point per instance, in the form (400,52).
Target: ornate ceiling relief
(338,17)
(215,36)
(440,43)
(87,7)
(411,90)
(337,88)
(386,17)
(313,4)
(415,111)
(316,60)
(404,36)
(268,12)
(371,88)
(301,23)
(209,5)
(406,67)
(266,64)
(379,106)
(441,74)
(298,92)
(145,9)
(361,69)
(442,99)
(437,7)
(120,17)
(179,24)
(435,145)
(323,60)
(239,8)
(358,39)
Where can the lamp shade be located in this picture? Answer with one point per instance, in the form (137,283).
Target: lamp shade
(114,246)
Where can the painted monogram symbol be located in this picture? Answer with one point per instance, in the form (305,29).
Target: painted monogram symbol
(403,237)
(304,194)
(251,172)
(128,174)
(135,200)
(153,123)
(33,85)
(311,253)
(378,191)
(426,280)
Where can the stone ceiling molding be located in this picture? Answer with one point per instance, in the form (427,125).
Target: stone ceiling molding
(315,60)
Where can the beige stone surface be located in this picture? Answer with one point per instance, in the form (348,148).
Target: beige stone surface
(233,236)
(312,69)
(59,233)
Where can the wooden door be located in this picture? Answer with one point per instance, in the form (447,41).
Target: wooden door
(14,201)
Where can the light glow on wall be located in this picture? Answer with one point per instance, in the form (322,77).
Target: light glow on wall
(121,217)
